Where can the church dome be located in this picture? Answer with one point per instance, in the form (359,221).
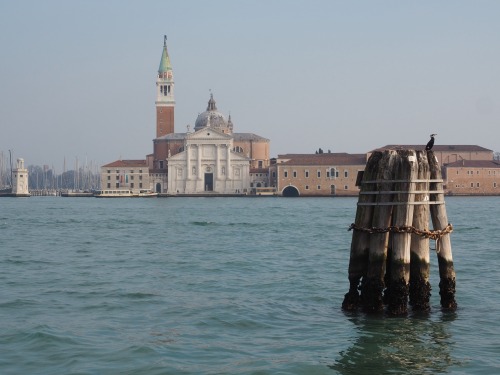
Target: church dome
(212,118)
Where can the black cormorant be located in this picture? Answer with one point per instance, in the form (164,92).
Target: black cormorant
(430,143)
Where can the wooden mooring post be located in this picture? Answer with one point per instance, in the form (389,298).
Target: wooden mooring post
(389,259)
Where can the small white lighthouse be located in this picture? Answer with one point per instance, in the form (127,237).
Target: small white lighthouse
(20,180)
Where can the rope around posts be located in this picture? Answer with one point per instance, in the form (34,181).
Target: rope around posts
(432,234)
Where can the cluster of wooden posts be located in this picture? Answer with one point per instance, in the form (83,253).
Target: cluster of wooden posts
(389,263)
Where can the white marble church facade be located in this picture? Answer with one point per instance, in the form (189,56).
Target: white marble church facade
(208,165)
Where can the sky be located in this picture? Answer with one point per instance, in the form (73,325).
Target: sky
(78,78)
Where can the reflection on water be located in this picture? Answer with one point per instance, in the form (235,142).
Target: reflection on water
(409,345)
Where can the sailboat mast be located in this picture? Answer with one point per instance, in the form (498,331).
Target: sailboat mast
(11,173)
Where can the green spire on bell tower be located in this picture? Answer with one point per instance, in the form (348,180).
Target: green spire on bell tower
(165,65)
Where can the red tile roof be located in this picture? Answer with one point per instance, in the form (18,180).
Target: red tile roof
(441,148)
(126,164)
(341,158)
(474,164)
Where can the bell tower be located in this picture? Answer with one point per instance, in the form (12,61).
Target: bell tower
(165,101)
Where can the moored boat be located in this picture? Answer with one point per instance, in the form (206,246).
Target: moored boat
(124,193)
(147,194)
(119,193)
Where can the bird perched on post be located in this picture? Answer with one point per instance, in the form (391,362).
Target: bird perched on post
(430,143)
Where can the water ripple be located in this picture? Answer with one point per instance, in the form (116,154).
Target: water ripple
(225,286)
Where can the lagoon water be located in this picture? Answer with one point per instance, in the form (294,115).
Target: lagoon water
(226,286)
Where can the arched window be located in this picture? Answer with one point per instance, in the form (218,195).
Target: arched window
(333,173)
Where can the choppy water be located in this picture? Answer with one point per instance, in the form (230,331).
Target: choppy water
(226,286)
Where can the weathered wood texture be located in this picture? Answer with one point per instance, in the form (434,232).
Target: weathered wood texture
(390,242)
(358,260)
(420,288)
(439,217)
(374,284)
(398,290)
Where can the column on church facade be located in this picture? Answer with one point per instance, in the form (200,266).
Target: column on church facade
(217,162)
(198,164)
(228,161)
(188,162)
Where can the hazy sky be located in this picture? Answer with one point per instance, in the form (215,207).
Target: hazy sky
(78,77)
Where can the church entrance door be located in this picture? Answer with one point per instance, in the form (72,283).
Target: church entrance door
(209,181)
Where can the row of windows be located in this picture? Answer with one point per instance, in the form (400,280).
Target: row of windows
(131,171)
(472,185)
(332,187)
(117,185)
(331,173)
(490,172)
(131,177)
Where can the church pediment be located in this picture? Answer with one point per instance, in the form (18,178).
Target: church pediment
(208,134)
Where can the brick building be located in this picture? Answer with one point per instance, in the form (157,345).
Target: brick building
(126,174)
(472,177)
(327,174)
